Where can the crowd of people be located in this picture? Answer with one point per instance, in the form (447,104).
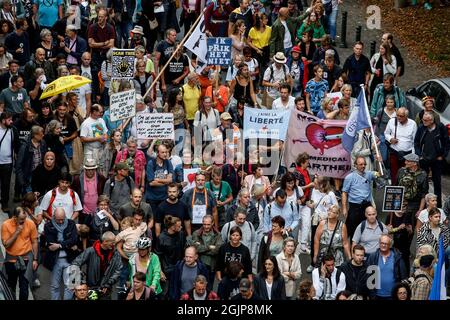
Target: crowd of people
(114,216)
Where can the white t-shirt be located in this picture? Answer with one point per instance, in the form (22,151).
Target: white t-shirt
(86,72)
(252,65)
(326,201)
(81,93)
(287,35)
(423,216)
(5,147)
(277,104)
(91,128)
(62,201)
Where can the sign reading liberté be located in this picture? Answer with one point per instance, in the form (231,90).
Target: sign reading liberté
(219,51)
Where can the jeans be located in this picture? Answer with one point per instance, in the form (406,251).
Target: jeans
(123,30)
(305,218)
(13,275)
(60,271)
(332,23)
(5,183)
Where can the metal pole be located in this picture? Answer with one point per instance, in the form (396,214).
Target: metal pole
(179,47)
(343,43)
(358,33)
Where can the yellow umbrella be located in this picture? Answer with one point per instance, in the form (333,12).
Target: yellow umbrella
(64,84)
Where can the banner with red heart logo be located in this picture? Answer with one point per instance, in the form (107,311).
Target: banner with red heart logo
(321,140)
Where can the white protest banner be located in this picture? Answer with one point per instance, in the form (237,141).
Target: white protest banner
(219,51)
(196,43)
(155,126)
(265,124)
(122,105)
(122,63)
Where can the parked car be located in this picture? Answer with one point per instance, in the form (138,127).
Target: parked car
(439,89)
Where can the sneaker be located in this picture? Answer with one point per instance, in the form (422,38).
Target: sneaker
(310,269)
(304,249)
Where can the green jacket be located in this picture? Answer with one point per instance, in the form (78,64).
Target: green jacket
(153,273)
(278,30)
(202,242)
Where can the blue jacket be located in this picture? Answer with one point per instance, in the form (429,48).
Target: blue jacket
(175,279)
(400,272)
(440,140)
(81,47)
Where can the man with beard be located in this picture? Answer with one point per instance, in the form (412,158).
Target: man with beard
(298,71)
(62,197)
(331,72)
(135,203)
(355,272)
(119,187)
(45,176)
(24,124)
(172,206)
(9,146)
(285,101)
(200,202)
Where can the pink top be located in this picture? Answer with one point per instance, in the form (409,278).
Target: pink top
(138,164)
(90,195)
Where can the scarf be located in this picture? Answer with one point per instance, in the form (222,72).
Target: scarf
(60,228)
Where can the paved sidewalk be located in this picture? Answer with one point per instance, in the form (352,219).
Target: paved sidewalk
(415,71)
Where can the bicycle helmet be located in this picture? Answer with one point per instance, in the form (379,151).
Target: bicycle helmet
(92,295)
(144,243)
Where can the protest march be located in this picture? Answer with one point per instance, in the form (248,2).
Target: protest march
(213,150)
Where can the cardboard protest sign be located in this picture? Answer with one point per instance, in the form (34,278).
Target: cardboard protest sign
(122,63)
(155,126)
(219,51)
(122,105)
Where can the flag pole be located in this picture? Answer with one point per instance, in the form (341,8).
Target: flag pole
(181,44)
(369,121)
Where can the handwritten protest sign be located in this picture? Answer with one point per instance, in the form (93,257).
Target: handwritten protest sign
(155,126)
(122,105)
(123,63)
(393,198)
(219,51)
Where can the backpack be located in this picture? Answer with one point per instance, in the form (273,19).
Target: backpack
(53,197)
(284,71)
(363,226)
(113,184)
(412,281)
(409,181)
